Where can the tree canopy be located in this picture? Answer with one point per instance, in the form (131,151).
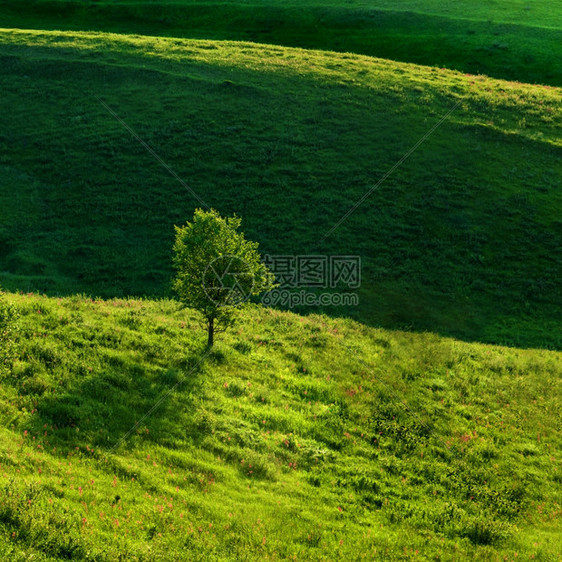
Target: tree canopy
(217,269)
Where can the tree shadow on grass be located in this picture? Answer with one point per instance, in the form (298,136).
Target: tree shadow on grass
(121,406)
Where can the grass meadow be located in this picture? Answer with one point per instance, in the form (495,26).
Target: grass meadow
(424,423)
(294,438)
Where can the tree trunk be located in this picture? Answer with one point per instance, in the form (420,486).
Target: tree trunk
(211,333)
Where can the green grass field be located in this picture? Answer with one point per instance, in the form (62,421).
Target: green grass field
(295,439)
(511,39)
(424,423)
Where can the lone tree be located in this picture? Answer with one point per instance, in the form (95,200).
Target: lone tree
(218,270)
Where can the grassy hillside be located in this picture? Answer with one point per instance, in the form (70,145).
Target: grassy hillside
(512,39)
(462,239)
(296,438)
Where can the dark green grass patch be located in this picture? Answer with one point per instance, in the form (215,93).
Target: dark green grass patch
(462,239)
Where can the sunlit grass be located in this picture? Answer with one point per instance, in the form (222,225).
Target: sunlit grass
(295,437)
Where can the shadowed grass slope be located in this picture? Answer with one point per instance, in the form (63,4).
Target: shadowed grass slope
(297,437)
(462,239)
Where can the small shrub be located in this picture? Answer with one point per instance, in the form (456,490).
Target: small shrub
(312,454)
(235,388)
(205,422)
(485,531)
(242,347)
(257,466)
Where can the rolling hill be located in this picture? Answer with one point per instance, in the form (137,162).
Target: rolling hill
(511,39)
(423,423)
(462,239)
(294,438)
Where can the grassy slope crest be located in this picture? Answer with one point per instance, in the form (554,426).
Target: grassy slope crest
(511,40)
